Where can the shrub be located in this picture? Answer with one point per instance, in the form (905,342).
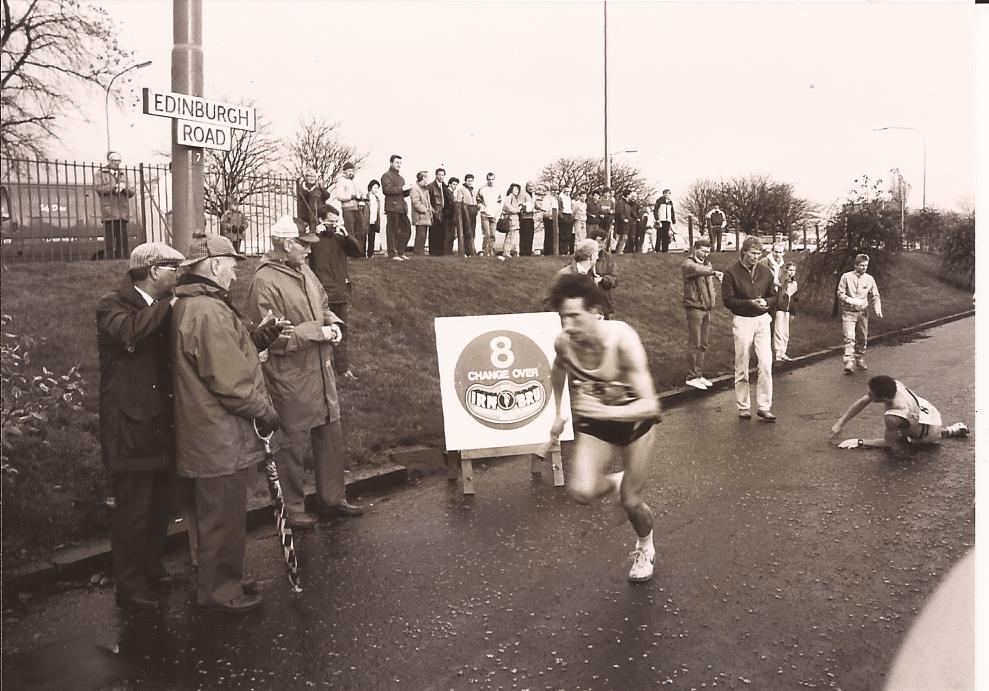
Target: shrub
(958,253)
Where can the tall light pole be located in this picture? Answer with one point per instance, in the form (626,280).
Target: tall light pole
(607,158)
(923,139)
(109,87)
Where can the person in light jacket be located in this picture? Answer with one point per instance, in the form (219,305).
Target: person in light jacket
(422,212)
(510,209)
(372,215)
(115,193)
(856,291)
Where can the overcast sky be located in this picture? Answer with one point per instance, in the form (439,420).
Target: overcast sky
(713,89)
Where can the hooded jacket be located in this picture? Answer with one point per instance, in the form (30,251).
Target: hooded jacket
(299,371)
(219,388)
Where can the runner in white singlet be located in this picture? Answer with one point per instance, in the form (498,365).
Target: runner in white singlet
(614,403)
(908,417)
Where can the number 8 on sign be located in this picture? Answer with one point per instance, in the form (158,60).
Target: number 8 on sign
(501,352)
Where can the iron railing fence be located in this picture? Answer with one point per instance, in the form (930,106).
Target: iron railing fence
(51,211)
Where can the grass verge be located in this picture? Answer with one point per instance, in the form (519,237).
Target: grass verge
(56,497)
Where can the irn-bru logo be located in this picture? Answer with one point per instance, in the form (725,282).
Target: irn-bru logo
(502,379)
(506,401)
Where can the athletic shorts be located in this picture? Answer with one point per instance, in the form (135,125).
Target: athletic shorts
(612,432)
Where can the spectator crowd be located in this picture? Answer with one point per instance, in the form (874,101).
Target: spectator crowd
(190,386)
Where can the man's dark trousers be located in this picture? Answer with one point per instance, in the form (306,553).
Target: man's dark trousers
(437,238)
(341,362)
(353,221)
(138,529)
(716,239)
(527,230)
(469,229)
(566,233)
(116,244)
(221,517)
(664,236)
(397,232)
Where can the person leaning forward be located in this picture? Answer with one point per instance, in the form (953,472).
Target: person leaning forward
(220,400)
(136,418)
(299,373)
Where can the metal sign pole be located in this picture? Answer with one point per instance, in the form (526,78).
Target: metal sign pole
(187,163)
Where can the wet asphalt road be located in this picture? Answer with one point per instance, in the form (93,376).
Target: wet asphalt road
(782,563)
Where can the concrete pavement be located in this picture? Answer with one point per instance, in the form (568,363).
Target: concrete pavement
(783,562)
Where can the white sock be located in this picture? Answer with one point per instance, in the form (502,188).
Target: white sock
(645,543)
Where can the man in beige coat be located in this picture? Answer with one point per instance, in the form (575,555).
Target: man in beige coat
(299,373)
(422,212)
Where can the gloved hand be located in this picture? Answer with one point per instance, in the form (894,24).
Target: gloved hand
(268,424)
(849,444)
(266,334)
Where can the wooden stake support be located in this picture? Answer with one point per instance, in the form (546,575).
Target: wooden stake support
(554,457)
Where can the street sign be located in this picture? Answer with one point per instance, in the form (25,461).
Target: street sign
(190,133)
(167,104)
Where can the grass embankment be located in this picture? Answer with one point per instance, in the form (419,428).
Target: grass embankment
(57,494)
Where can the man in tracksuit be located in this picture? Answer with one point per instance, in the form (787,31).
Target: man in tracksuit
(748,290)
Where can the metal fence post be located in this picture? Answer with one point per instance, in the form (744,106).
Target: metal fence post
(690,232)
(144,213)
(817,234)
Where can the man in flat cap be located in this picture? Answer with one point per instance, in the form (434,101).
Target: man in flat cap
(220,399)
(349,199)
(300,374)
(136,418)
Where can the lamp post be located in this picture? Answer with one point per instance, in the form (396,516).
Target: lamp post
(607,158)
(109,87)
(923,139)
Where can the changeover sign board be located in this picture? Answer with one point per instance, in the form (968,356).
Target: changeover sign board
(495,380)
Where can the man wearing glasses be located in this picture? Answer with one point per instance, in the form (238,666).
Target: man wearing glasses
(136,437)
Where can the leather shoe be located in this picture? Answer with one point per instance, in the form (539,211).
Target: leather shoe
(142,601)
(766,415)
(238,605)
(344,508)
(744,415)
(249,583)
(301,521)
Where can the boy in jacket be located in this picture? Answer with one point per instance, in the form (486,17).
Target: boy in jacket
(784,310)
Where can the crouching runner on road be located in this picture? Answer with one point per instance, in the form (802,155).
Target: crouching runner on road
(614,403)
(909,419)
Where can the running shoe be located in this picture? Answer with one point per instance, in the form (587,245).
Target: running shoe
(642,565)
(860,363)
(696,383)
(959,429)
(707,382)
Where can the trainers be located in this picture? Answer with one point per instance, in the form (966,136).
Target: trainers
(959,429)
(349,374)
(642,566)
(786,358)
(849,369)
(861,365)
(697,384)
(707,382)
(398,258)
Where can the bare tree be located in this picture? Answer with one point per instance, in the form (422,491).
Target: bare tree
(242,172)
(48,48)
(700,196)
(587,174)
(318,145)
